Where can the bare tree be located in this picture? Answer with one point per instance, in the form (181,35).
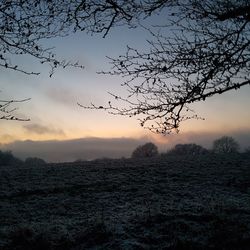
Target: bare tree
(25,24)
(7,111)
(225,145)
(207,52)
(202,50)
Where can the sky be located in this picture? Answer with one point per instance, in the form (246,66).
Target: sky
(55,116)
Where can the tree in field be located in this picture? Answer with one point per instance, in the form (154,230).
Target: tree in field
(147,150)
(225,145)
(201,49)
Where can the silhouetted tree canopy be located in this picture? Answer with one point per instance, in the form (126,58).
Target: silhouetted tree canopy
(225,145)
(145,151)
(201,50)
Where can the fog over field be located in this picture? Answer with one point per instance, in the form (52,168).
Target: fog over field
(92,148)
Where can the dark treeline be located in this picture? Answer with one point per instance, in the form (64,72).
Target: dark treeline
(223,145)
(8,159)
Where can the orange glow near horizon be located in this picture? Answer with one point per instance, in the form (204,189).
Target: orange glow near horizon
(62,119)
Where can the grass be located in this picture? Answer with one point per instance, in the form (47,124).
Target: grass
(170,203)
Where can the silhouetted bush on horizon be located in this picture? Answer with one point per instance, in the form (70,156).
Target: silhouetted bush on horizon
(247,150)
(7,159)
(147,150)
(34,161)
(187,149)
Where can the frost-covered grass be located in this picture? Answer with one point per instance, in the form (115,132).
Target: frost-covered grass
(196,202)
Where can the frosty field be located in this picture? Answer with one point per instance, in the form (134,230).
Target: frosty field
(195,202)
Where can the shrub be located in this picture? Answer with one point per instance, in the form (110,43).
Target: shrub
(145,151)
(7,159)
(247,150)
(225,145)
(34,161)
(188,149)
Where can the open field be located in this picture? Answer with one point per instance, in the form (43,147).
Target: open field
(196,202)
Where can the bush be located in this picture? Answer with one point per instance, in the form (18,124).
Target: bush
(34,161)
(247,150)
(225,145)
(7,159)
(188,149)
(145,151)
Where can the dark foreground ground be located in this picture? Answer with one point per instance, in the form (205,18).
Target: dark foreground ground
(174,203)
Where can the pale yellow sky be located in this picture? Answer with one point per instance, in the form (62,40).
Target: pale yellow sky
(55,121)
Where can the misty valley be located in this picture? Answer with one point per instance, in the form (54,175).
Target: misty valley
(164,202)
